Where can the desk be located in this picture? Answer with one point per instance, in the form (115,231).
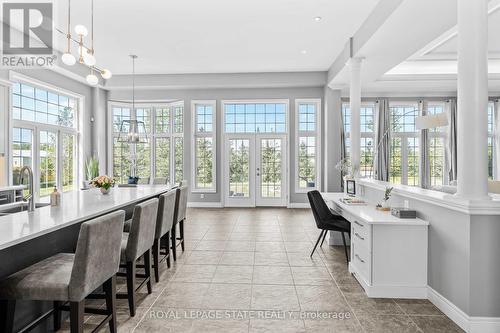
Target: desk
(388,254)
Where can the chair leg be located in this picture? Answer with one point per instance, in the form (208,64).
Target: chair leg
(317,242)
(345,248)
(131,287)
(167,240)
(147,270)
(324,236)
(110,291)
(76,312)
(57,316)
(181,232)
(156,259)
(173,241)
(7,309)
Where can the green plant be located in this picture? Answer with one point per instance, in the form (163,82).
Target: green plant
(92,168)
(387,193)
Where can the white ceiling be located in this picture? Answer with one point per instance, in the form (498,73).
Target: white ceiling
(219,36)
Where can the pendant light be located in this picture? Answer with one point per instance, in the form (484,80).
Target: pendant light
(67,58)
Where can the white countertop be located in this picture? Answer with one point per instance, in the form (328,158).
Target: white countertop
(368,213)
(12,188)
(75,207)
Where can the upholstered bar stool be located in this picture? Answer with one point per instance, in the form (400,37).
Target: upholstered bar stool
(164,222)
(67,277)
(180,217)
(159,180)
(135,244)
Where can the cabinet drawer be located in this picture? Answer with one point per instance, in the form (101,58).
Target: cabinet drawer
(361,233)
(362,260)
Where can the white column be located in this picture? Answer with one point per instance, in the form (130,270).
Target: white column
(355,105)
(472,131)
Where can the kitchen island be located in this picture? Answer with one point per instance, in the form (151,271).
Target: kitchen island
(29,237)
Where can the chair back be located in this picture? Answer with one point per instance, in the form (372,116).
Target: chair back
(143,181)
(319,208)
(184,182)
(166,212)
(97,256)
(182,203)
(159,180)
(142,229)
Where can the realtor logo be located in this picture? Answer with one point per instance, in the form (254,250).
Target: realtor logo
(27,34)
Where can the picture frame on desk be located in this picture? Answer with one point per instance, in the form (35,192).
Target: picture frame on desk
(350,186)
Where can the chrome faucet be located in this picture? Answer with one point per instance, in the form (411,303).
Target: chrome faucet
(30,197)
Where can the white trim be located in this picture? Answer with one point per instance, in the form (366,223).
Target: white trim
(195,135)
(298,205)
(317,134)
(470,324)
(194,204)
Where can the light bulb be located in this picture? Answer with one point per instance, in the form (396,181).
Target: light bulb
(68,59)
(88,59)
(92,80)
(81,30)
(106,74)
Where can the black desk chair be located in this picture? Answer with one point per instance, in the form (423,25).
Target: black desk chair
(327,221)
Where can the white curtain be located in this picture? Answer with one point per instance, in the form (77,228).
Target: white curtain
(382,141)
(451,147)
(496,143)
(425,176)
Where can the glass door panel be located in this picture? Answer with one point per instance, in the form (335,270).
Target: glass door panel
(22,151)
(48,162)
(271,171)
(68,162)
(239,167)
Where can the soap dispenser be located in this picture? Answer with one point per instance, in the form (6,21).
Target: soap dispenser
(55,198)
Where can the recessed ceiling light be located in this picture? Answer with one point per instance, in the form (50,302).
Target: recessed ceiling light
(317,18)
(303,51)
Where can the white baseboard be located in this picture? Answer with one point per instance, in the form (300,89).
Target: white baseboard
(205,204)
(298,205)
(468,323)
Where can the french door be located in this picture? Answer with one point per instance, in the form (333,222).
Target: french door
(255,171)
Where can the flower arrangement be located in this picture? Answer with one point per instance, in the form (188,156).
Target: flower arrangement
(387,193)
(345,167)
(103,182)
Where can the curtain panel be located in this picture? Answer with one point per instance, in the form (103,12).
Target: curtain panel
(382,140)
(452,140)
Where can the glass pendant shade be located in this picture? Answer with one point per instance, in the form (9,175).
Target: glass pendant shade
(68,59)
(89,59)
(132,131)
(92,79)
(81,30)
(106,74)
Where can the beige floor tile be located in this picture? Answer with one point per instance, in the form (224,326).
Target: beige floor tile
(210,245)
(436,324)
(195,273)
(182,295)
(235,246)
(322,298)
(237,258)
(311,276)
(270,297)
(277,326)
(271,259)
(233,274)
(418,307)
(272,275)
(228,296)
(270,247)
(204,258)
(387,324)
(220,326)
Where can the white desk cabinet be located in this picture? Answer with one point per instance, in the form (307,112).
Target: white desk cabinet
(388,254)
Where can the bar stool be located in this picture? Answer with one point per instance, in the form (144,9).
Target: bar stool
(180,216)
(135,244)
(164,222)
(159,180)
(67,277)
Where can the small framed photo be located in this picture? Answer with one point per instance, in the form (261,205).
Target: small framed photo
(350,187)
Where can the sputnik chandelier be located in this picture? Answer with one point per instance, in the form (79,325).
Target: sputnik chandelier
(85,54)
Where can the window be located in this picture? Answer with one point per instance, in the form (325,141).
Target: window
(204,135)
(308,145)
(437,139)
(491,140)
(255,117)
(367,148)
(405,145)
(164,126)
(44,136)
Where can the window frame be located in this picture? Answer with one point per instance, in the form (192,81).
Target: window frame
(37,127)
(152,134)
(316,134)
(438,135)
(196,134)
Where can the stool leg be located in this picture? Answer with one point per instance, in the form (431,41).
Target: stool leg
(317,242)
(324,236)
(173,241)
(167,240)
(147,270)
(57,316)
(110,291)
(156,259)
(76,312)
(131,287)
(7,310)
(345,248)
(181,232)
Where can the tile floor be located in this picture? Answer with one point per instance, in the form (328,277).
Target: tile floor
(249,270)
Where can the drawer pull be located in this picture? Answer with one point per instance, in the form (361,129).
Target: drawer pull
(361,225)
(357,235)
(359,258)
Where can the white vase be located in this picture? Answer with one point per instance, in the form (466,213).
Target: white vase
(385,204)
